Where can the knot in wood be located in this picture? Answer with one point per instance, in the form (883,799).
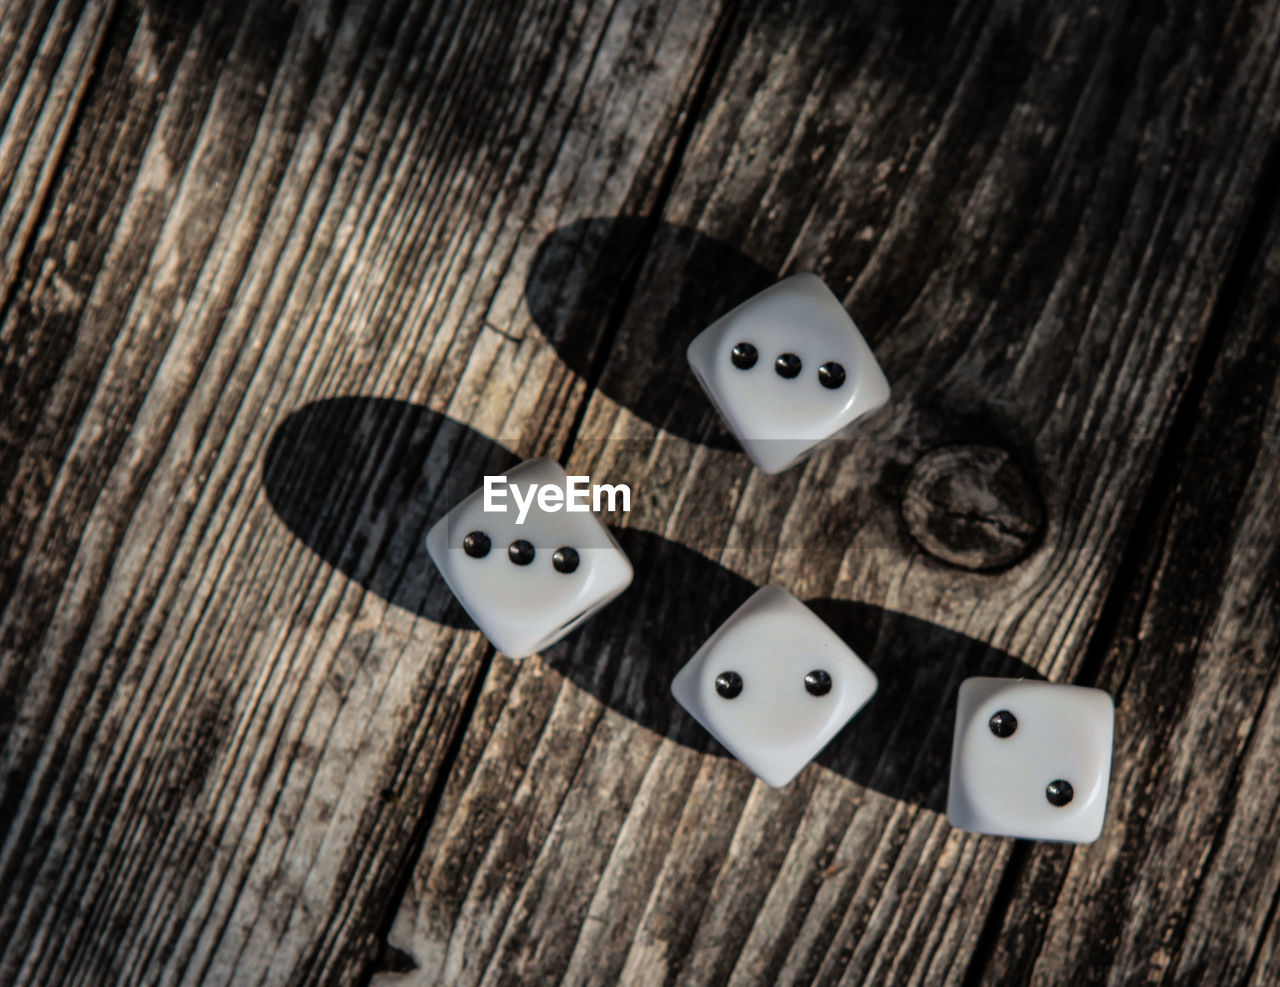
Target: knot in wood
(973,507)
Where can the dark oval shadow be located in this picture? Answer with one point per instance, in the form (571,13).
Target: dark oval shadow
(899,744)
(661,284)
(360,480)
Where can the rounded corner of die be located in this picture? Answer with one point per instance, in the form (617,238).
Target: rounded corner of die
(776,780)
(436,541)
(958,814)
(683,689)
(1091,837)
(1088,828)
(874,391)
(771,594)
(626,570)
(514,644)
(772,469)
(542,469)
(696,355)
(881,392)
(970,689)
(767,455)
(808,280)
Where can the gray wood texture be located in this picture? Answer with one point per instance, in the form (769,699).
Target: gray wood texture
(281,281)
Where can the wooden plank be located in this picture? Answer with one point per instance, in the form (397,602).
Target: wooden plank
(1032,213)
(1184,884)
(217,746)
(49,51)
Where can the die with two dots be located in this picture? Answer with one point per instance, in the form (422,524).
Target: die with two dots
(788,371)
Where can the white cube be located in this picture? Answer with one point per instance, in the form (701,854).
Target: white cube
(788,370)
(774,684)
(1031,759)
(528,583)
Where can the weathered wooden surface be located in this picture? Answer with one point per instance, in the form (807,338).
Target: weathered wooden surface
(1188,886)
(282,281)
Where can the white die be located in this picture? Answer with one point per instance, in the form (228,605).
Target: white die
(1017,742)
(778,718)
(523,608)
(787,370)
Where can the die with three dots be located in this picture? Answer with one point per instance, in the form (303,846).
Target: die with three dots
(527,582)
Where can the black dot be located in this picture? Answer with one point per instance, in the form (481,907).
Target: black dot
(831,375)
(1059,792)
(520,552)
(729,684)
(787,365)
(817,682)
(476,544)
(1003,723)
(565,559)
(744,356)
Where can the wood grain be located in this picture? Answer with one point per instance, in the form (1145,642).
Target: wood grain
(281,281)
(217,743)
(1185,882)
(1028,213)
(49,51)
